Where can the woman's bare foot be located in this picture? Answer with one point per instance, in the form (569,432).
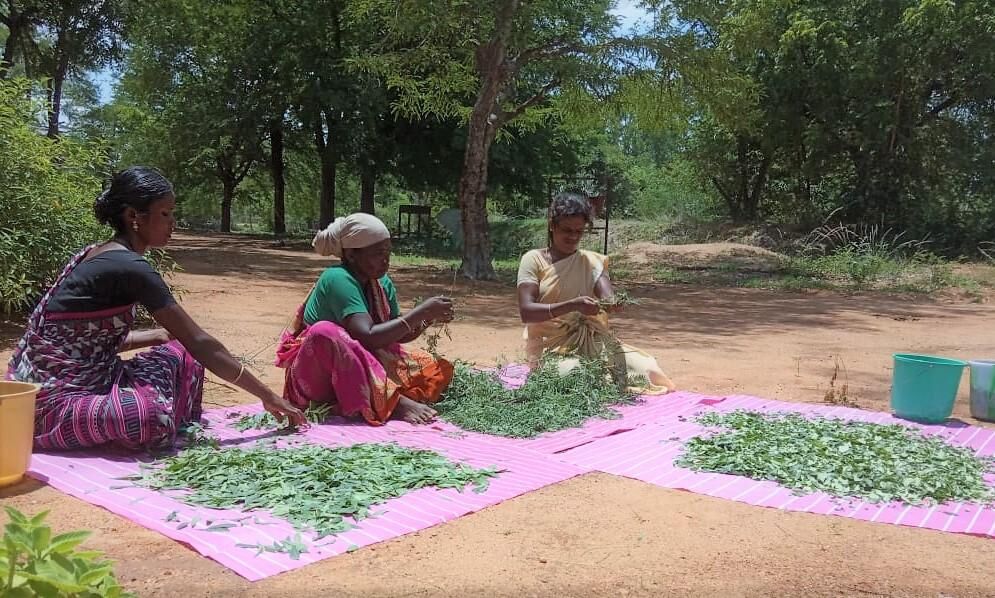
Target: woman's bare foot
(414,412)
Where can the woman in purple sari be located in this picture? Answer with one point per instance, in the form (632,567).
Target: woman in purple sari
(89,395)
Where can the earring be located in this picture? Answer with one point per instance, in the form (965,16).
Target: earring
(134,226)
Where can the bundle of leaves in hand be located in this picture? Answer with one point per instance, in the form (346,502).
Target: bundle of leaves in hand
(547,402)
(620,299)
(313,487)
(316,413)
(33,562)
(873,462)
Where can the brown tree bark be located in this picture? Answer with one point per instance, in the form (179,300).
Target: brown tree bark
(329,163)
(495,70)
(232,171)
(277,172)
(473,197)
(367,189)
(18,23)
(227,197)
(55,86)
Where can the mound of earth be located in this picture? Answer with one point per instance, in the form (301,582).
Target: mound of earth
(704,255)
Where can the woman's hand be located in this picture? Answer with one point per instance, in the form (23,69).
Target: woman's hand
(436,309)
(588,306)
(281,407)
(609,305)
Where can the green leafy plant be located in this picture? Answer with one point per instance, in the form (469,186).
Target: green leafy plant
(621,298)
(33,562)
(548,401)
(47,188)
(316,413)
(294,547)
(873,462)
(313,487)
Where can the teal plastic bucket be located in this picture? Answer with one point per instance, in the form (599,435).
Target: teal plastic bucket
(924,387)
(983,389)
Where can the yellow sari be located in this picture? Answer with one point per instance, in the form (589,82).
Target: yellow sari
(576,334)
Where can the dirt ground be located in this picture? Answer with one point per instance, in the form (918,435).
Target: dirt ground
(597,534)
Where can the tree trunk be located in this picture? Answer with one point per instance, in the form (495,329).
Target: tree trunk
(55,86)
(227,197)
(742,187)
(367,183)
(757,189)
(327,197)
(491,63)
(729,198)
(7,62)
(279,180)
(473,197)
(329,160)
(857,208)
(17,28)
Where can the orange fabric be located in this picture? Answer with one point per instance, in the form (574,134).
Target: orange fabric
(414,374)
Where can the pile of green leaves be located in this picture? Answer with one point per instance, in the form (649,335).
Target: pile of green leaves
(33,562)
(313,487)
(547,402)
(873,462)
(316,413)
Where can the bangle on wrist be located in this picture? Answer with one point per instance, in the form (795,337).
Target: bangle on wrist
(406,325)
(549,308)
(239,376)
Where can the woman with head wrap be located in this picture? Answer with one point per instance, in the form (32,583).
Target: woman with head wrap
(563,292)
(344,346)
(89,395)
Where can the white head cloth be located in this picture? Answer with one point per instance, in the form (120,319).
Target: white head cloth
(355,231)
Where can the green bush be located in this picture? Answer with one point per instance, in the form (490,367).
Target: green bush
(47,190)
(33,562)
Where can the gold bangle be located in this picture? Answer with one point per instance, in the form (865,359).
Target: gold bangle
(549,308)
(240,372)
(408,326)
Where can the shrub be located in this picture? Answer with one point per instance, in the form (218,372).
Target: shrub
(33,562)
(47,188)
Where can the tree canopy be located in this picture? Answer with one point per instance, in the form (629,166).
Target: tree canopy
(284,115)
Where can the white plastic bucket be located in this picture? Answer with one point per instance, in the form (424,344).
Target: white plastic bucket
(983,389)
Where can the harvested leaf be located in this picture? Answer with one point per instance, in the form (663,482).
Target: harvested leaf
(314,487)
(316,413)
(872,462)
(547,402)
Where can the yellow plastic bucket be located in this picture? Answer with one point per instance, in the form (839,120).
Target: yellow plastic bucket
(17,429)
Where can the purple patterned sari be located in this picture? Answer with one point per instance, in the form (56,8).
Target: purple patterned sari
(89,395)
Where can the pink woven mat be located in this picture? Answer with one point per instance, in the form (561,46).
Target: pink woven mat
(648,454)
(93,476)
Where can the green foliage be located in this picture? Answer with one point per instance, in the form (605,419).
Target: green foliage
(860,109)
(33,562)
(873,462)
(293,547)
(316,413)
(865,256)
(47,190)
(314,487)
(547,402)
(847,265)
(671,275)
(780,111)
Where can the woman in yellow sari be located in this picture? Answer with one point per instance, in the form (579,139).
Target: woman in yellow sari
(563,292)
